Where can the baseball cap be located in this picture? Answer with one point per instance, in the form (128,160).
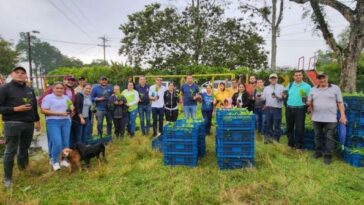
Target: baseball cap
(273,75)
(103,78)
(19,68)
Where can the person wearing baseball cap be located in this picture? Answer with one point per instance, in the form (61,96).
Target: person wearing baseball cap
(100,95)
(324,101)
(272,95)
(19,110)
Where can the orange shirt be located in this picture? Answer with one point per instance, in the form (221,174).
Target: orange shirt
(250,88)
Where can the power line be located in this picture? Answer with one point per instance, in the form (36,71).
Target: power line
(68,42)
(89,23)
(83,14)
(69,19)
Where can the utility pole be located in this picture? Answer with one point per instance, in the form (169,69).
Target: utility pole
(30,56)
(104,40)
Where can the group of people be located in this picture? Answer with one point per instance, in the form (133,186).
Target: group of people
(69,110)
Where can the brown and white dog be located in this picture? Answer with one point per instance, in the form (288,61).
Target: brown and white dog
(73,157)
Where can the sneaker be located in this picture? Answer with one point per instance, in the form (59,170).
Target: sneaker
(317,155)
(7,183)
(327,160)
(64,163)
(56,166)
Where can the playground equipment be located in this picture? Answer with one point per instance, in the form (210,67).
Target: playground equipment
(310,72)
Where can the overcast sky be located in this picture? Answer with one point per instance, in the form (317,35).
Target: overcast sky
(79,24)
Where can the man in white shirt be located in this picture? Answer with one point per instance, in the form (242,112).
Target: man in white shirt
(272,95)
(156,93)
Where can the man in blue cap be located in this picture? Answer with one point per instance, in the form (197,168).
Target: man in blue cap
(100,95)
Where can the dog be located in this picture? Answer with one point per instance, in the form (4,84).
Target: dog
(73,157)
(87,152)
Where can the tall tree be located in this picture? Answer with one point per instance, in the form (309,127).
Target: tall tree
(272,13)
(8,57)
(348,55)
(199,34)
(44,56)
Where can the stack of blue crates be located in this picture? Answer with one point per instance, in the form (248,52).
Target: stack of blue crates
(200,124)
(354,130)
(309,140)
(180,144)
(235,146)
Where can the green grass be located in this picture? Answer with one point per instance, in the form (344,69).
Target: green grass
(135,174)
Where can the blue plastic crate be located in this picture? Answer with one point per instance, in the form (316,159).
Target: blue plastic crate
(157,143)
(356,160)
(180,133)
(234,163)
(354,142)
(105,140)
(235,135)
(233,118)
(180,147)
(354,131)
(185,160)
(242,121)
(244,150)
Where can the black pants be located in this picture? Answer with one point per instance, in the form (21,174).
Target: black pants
(18,136)
(119,125)
(207,115)
(324,137)
(158,114)
(171,115)
(295,119)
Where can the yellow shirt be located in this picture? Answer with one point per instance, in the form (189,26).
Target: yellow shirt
(232,91)
(221,96)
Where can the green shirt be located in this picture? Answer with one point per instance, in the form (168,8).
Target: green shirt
(294,96)
(132,99)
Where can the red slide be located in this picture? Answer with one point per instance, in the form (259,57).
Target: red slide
(312,75)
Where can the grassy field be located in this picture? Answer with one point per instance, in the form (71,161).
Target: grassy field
(135,174)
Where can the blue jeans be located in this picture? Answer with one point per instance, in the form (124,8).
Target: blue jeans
(88,130)
(132,119)
(79,132)
(49,145)
(144,111)
(76,132)
(261,122)
(190,110)
(274,120)
(59,135)
(158,114)
(207,115)
(100,115)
